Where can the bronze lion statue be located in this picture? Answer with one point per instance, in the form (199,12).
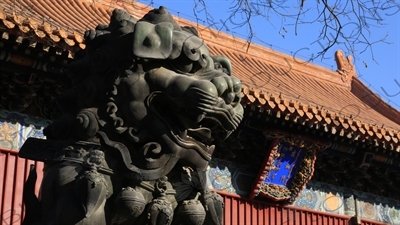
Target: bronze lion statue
(136,133)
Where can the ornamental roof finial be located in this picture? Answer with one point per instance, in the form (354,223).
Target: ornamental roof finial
(345,66)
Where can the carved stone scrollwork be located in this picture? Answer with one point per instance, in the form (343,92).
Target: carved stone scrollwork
(215,206)
(86,124)
(161,210)
(91,190)
(129,203)
(191,212)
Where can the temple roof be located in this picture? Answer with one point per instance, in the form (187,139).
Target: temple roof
(273,82)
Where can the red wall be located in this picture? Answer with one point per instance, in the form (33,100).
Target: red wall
(13,173)
(238,211)
(245,212)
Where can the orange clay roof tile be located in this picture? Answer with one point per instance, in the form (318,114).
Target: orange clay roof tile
(271,80)
(8,24)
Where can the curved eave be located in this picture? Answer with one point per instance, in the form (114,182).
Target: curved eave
(39,32)
(321,119)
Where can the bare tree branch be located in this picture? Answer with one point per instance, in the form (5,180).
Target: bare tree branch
(335,18)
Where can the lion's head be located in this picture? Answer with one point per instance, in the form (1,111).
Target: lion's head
(150,91)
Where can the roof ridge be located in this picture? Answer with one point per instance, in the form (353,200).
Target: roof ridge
(258,52)
(374,101)
(265,54)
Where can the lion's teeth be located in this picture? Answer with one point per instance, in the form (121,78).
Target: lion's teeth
(211,149)
(200,118)
(228,133)
(183,135)
(201,133)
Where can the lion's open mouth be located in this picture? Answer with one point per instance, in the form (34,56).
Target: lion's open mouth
(195,120)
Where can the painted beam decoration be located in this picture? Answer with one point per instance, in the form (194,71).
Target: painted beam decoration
(16,128)
(288,167)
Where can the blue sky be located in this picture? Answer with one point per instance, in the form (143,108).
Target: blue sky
(378,68)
